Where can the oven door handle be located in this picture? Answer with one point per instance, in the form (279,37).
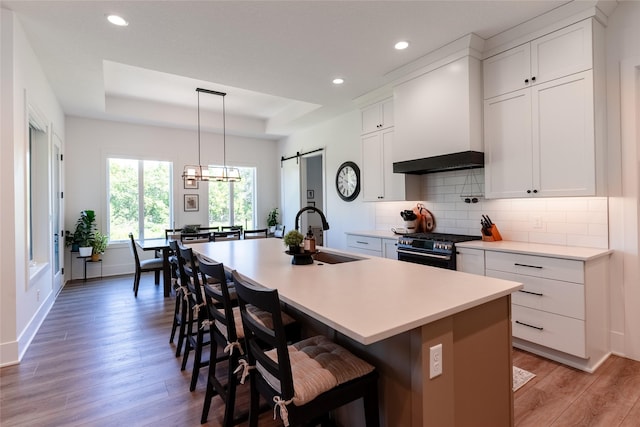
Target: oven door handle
(422,254)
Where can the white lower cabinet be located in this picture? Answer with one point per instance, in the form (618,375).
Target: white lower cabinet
(373,246)
(366,245)
(470,260)
(561,313)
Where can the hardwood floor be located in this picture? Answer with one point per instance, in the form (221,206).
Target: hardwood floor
(103,358)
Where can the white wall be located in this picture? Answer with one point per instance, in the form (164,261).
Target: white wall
(340,137)
(90,142)
(622,49)
(24,300)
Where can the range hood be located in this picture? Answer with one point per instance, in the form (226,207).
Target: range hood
(445,162)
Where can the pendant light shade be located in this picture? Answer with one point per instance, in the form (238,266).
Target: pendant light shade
(194,173)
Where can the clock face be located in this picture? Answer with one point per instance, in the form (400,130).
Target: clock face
(348,181)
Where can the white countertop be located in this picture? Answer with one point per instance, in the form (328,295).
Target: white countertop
(367,300)
(385,234)
(554,251)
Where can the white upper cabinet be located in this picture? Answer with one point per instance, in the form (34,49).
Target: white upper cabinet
(561,53)
(546,139)
(377,116)
(439,112)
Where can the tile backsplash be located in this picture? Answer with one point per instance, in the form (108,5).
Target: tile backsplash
(571,221)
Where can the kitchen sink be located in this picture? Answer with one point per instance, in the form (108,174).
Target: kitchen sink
(330,258)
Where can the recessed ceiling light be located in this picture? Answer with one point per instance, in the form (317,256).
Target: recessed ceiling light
(402,45)
(338,81)
(117,20)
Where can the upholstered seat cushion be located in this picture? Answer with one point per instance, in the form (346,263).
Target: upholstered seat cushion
(262,316)
(151,264)
(317,365)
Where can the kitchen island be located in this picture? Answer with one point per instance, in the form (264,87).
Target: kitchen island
(391,313)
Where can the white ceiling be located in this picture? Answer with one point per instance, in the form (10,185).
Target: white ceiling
(275,59)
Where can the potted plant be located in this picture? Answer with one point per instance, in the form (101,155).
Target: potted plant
(272,219)
(99,245)
(293,239)
(85,230)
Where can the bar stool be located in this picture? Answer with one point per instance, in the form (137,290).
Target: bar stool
(305,380)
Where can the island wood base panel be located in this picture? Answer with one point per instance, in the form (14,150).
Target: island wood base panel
(474,388)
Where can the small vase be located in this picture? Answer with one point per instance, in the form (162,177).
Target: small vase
(85,251)
(95,257)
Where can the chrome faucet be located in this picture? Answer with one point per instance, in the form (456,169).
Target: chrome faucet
(325,224)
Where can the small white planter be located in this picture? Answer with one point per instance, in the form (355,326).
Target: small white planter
(85,251)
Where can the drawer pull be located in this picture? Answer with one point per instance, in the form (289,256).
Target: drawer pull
(530,326)
(362,243)
(527,265)
(531,293)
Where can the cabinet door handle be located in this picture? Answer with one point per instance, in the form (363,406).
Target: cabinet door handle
(528,191)
(380,197)
(530,326)
(527,265)
(533,79)
(526,80)
(535,191)
(362,243)
(531,293)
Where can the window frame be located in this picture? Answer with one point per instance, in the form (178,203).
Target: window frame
(140,160)
(231,205)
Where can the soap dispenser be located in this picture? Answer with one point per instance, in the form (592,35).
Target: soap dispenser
(310,241)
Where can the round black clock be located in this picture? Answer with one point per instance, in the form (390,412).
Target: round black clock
(348,181)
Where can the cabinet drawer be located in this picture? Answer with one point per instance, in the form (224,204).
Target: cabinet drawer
(364,242)
(537,266)
(553,296)
(550,330)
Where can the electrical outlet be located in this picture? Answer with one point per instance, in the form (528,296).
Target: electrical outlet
(537,222)
(435,361)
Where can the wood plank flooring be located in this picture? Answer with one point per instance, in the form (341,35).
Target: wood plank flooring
(102,358)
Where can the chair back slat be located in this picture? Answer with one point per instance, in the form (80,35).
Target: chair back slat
(262,336)
(134,251)
(189,271)
(218,296)
(261,233)
(226,235)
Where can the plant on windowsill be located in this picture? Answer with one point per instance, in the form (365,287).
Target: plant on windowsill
(293,239)
(272,219)
(100,242)
(85,231)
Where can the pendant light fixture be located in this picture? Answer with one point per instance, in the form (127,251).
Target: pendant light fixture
(194,173)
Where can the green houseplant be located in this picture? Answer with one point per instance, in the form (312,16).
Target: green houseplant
(272,219)
(293,239)
(85,231)
(100,242)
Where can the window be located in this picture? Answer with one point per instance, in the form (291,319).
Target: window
(140,199)
(233,203)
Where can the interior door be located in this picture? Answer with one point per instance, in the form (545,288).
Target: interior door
(57,252)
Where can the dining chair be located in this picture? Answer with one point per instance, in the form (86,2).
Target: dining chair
(197,330)
(147,265)
(231,228)
(227,334)
(261,233)
(302,381)
(221,236)
(181,306)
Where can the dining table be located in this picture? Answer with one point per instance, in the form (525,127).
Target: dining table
(160,245)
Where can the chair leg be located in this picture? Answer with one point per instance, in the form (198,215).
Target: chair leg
(157,277)
(136,284)
(230,401)
(254,407)
(370,400)
(176,317)
(197,360)
(183,325)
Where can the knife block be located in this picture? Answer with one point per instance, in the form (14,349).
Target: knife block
(495,235)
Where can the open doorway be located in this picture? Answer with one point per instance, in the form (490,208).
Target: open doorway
(312,194)
(303,184)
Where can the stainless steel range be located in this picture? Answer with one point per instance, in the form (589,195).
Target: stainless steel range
(434,249)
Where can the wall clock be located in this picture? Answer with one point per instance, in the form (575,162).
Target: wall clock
(348,181)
